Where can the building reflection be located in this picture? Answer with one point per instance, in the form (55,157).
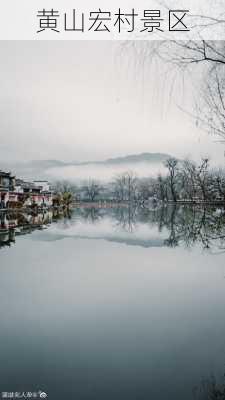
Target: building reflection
(15,224)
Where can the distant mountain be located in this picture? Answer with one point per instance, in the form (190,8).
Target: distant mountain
(133,158)
(143,157)
(46,169)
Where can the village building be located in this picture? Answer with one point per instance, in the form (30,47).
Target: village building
(45,192)
(44,184)
(17,192)
(36,193)
(7,182)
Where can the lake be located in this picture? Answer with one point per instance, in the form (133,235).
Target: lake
(114,303)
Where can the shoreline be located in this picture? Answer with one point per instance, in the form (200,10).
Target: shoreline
(108,204)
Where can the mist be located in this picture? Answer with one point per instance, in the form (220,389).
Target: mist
(103,173)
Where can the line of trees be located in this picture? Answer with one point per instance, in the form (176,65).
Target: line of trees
(187,180)
(183,181)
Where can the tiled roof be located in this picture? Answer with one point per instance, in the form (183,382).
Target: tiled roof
(2,173)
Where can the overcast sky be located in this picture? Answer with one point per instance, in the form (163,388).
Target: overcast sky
(90,101)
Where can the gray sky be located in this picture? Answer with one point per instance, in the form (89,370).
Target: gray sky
(73,100)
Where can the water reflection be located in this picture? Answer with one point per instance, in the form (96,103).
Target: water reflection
(14,224)
(157,227)
(210,389)
(127,311)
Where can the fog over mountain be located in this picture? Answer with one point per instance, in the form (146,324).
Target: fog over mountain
(144,164)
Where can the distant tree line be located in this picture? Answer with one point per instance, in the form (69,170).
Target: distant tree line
(183,181)
(187,180)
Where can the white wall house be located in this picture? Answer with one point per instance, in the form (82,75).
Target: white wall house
(44,184)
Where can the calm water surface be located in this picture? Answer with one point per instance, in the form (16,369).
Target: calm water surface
(112,304)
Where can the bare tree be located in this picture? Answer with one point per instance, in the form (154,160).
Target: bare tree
(202,62)
(188,179)
(162,188)
(144,189)
(202,177)
(172,165)
(65,186)
(206,62)
(220,183)
(119,187)
(131,183)
(125,186)
(92,189)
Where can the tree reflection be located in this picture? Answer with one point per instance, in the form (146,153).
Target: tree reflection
(210,389)
(185,225)
(126,217)
(90,214)
(176,226)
